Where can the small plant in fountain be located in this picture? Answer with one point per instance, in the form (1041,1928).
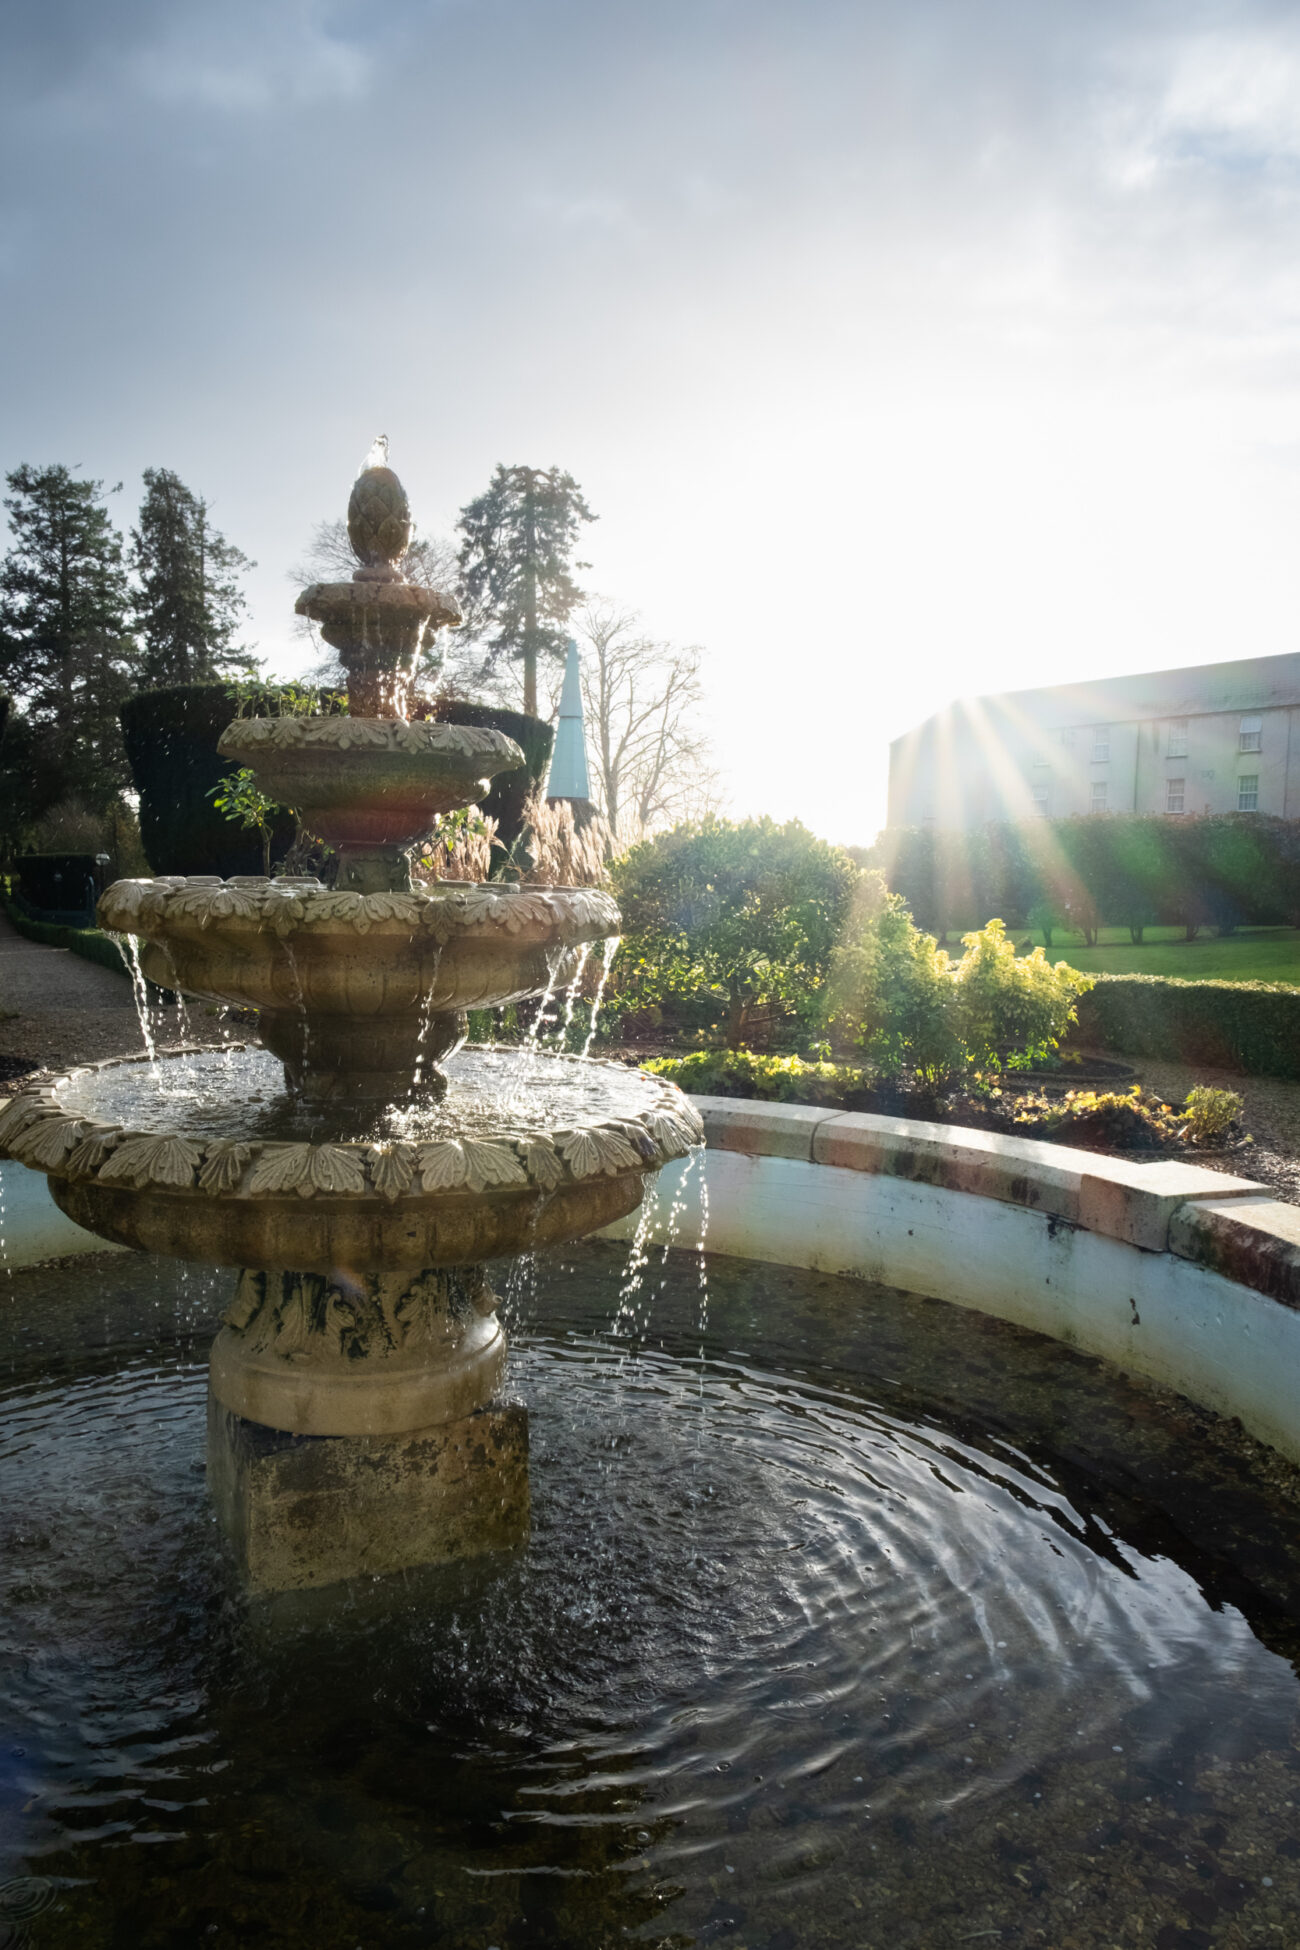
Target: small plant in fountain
(240,798)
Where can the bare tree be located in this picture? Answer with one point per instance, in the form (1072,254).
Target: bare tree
(642,701)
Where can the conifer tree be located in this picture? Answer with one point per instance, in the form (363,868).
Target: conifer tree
(516,566)
(66,651)
(188,602)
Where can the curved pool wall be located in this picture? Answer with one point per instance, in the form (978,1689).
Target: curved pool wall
(1172,1271)
(1185,1275)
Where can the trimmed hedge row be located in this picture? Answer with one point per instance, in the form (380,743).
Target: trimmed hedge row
(1252,1027)
(89,943)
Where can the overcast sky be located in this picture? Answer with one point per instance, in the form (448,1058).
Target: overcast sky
(905,350)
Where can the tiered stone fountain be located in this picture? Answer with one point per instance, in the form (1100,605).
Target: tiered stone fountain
(355,1412)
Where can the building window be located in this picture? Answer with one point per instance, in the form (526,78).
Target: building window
(1042,800)
(1251,738)
(1100,743)
(1099,794)
(1175,790)
(1248,793)
(1177,746)
(1067,738)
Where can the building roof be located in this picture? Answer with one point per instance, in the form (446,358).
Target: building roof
(1248,684)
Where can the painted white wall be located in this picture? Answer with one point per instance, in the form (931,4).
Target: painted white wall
(1227,1347)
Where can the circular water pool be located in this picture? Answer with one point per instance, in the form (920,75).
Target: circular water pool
(847,1618)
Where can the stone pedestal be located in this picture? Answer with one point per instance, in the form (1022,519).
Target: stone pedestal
(302,1510)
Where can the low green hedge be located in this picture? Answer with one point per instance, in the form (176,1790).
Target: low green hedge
(89,943)
(1251,1027)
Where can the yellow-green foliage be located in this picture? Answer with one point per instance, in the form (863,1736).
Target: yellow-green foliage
(1211,1113)
(899,999)
(1021,1005)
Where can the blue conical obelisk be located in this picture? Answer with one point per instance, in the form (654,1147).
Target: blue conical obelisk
(568,778)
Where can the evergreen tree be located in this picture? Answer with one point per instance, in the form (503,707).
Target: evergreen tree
(66,652)
(516,566)
(188,601)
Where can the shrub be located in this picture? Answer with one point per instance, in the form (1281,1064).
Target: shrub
(896,998)
(1210,1113)
(1251,1027)
(890,993)
(751,909)
(1019,1006)
(770,1079)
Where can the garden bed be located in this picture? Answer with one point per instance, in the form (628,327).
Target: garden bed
(1124,1122)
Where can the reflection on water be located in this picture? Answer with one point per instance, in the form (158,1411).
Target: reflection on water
(875,1624)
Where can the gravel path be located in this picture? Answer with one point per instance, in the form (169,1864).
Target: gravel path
(57,1009)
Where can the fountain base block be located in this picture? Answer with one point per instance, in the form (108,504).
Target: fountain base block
(302,1511)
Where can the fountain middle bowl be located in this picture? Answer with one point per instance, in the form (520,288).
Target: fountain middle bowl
(200,1155)
(296,945)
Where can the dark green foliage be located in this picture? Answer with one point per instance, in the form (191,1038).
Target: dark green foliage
(30,782)
(753,910)
(171,741)
(508,797)
(62,883)
(188,602)
(516,566)
(1251,1027)
(66,652)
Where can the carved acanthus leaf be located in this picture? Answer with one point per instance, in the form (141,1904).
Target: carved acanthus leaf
(149,1160)
(442,1166)
(541,1162)
(46,1144)
(392,1168)
(490,1161)
(223,1165)
(594,1149)
(92,1151)
(308,1168)
(22,1111)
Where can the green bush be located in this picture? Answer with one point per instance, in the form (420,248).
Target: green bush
(890,992)
(752,910)
(901,1002)
(1251,1027)
(1211,1114)
(1009,1005)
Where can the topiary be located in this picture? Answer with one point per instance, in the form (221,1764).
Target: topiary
(171,744)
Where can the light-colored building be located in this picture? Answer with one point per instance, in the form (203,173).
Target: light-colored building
(1208,739)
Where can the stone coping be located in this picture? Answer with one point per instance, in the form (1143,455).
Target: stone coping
(251,906)
(1230,1225)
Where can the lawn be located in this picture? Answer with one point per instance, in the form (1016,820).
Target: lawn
(1253,955)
